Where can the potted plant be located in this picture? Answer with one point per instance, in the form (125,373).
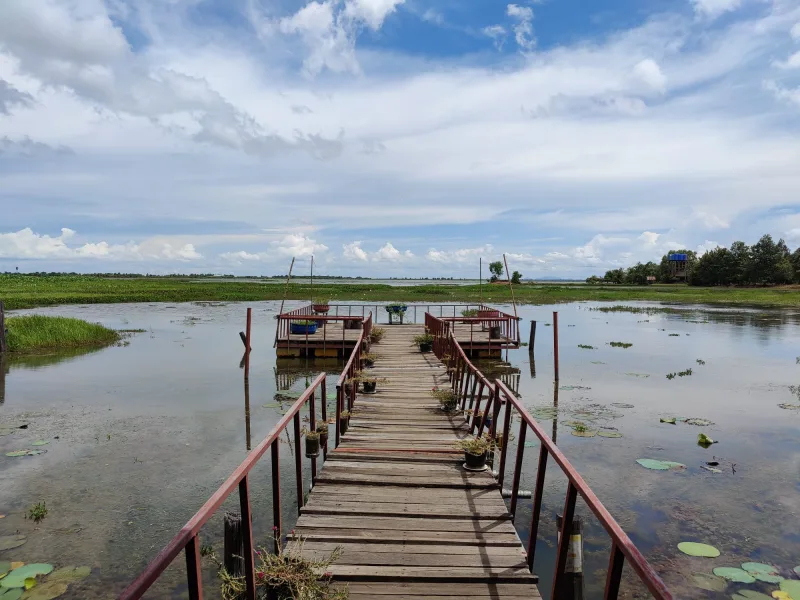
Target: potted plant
(312,443)
(321,307)
(322,430)
(369,359)
(376,335)
(424,341)
(494,332)
(475,451)
(448,401)
(344,422)
(369,383)
(469,313)
(303,327)
(397,310)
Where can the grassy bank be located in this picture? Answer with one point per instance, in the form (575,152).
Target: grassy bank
(22,291)
(36,333)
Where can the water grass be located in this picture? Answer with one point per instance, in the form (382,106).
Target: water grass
(620,344)
(37,333)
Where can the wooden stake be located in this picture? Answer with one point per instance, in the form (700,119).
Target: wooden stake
(532,338)
(280,312)
(555,342)
(234,544)
(572,587)
(3,342)
(510,286)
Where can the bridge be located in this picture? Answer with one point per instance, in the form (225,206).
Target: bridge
(393,498)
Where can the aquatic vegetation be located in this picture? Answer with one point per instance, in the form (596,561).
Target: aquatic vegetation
(734,574)
(622,405)
(763,572)
(17,453)
(7,542)
(671,375)
(697,421)
(640,375)
(700,361)
(606,433)
(40,443)
(698,549)
(674,335)
(660,465)
(17,577)
(685,373)
(37,512)
(789,406)
(708,582)
(791,587)
(620,344)
(586,347)
(669,420)
(750,595)
(33,333)
(704,441)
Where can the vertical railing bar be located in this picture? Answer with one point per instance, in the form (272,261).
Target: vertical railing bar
(504,448)
(616,562)
(193,574)
(518,468)
(537,504)
(298,461)
(312,407)
(247,535)
(563,542)
(276,494)
(324,408)
(339,400)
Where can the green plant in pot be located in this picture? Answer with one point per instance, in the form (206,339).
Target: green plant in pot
(475,451)
(344,422)
(370,384)
(312,443)
(469,313)
(376,335)
(321,306)
(424,341)
(448,400)
(322,430)
(369,359)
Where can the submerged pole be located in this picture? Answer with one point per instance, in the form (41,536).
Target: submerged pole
(555,342)
(532,337)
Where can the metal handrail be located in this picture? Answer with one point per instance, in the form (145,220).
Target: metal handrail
(462,372)
(187,538)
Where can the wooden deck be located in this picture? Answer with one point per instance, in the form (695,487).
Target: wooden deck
(412,523)
(333,340)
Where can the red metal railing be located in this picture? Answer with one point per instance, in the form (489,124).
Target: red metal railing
(465,378)
(187,538)
(346,392)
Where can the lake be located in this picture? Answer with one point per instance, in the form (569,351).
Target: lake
(140,435)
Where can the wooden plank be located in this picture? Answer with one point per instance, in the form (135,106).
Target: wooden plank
(435,590)
(411,548)
(421,511)
(394,536)
(408,559)
(409,524)
(423,573)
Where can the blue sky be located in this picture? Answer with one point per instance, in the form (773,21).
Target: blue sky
(393,137)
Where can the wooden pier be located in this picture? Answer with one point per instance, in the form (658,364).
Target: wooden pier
(411,521)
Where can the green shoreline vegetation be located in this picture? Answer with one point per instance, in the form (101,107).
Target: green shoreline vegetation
(30,291)
(36,333)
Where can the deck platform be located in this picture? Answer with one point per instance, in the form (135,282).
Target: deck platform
(411,521)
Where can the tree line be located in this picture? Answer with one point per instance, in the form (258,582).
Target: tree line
(766,262)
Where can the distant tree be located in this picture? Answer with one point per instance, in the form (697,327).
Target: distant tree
(638,274)
(796,265)
(496,269)
(594,279)
(615,276)
(516,277)
(663,269)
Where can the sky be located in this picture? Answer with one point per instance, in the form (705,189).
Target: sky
(393,137)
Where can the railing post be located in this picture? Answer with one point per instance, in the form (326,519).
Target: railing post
(537,505)
(523,426)
(555,342)
(615,563)
(312,409)
(339,402)
(298,461)
(276,494)
(193,574)
(247,535)
(506,435)
(564,539)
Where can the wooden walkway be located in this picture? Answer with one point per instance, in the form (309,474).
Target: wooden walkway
(412,523)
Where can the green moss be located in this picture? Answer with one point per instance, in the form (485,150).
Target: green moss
(35,333)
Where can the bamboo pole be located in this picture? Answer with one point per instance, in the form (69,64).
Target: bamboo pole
(511,287)
(285,292)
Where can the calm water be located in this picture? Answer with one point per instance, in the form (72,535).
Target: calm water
(147,431)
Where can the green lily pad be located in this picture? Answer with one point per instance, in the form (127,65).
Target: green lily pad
(791,587)
(46,591)
(16,453)
(622,405)
(698,422)
(585,434)
(797,570)
(704,441)
(670,420)
(7,542)
(609,434)
(697,549)
(5,567)
(531,444)
(70,574)
(734,574)
(11,594)
(708,582)
(642,375)
(763,572)
(750,595)
(783,406)
(40,443)
(17,577)
(660,465)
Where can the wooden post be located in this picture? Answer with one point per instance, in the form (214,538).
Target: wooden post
(247,413)
(555,342)
(572,580)
(247,345)
(532,338)
(3,342)
(3,367)
(233,554)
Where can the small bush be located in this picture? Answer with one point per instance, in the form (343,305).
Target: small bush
(586,347)
(620,344)
(33,333)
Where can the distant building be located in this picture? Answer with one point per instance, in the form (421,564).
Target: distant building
(678,266)
(651,279)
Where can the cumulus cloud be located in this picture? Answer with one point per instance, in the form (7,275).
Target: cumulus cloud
(497,33)
(791,95)
(715,8)
(523,28)
(460,255)
(387,253)
(298,245)
(353,251)
(650,74)
(391,254)
(795,31)
(26,244)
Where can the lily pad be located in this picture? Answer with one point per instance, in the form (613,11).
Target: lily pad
(47,591)
(791,587)
(734,574)
(797,570)
(7,542)
(698,422)
(763,572)
(670,420)
(622,405)
(70,574)
(531,444)
(779,595)
(609,434)
(708,582)
(704,441)
(40,443)
(569,388)
(7,430)
(16,453)
(711,469)
(749,595)
(11,594)
(585,434)
(660,465)
(641,375)
(783,406)
(697,549)
(17,577)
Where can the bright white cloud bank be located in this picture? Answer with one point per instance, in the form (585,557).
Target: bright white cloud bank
(166,138)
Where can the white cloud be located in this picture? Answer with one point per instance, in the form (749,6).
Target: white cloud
(523,29)
(793,62)
(26,244)
(353,251)
(795,31)
(389,253)
(433,16)
(371,12)
(497,33)
(462,255)
(715,8)
(650,74)
(298,245)
(649,238)
(706,246)
(242,255)
(783,93)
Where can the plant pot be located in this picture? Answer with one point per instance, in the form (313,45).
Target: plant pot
(320,308)
(369,363)
(370,387)
(323,438)
(426,347)
(448,409)
(475,461)
(494,332)
(320,322)
(312,447)
(297,329)
(344,424)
